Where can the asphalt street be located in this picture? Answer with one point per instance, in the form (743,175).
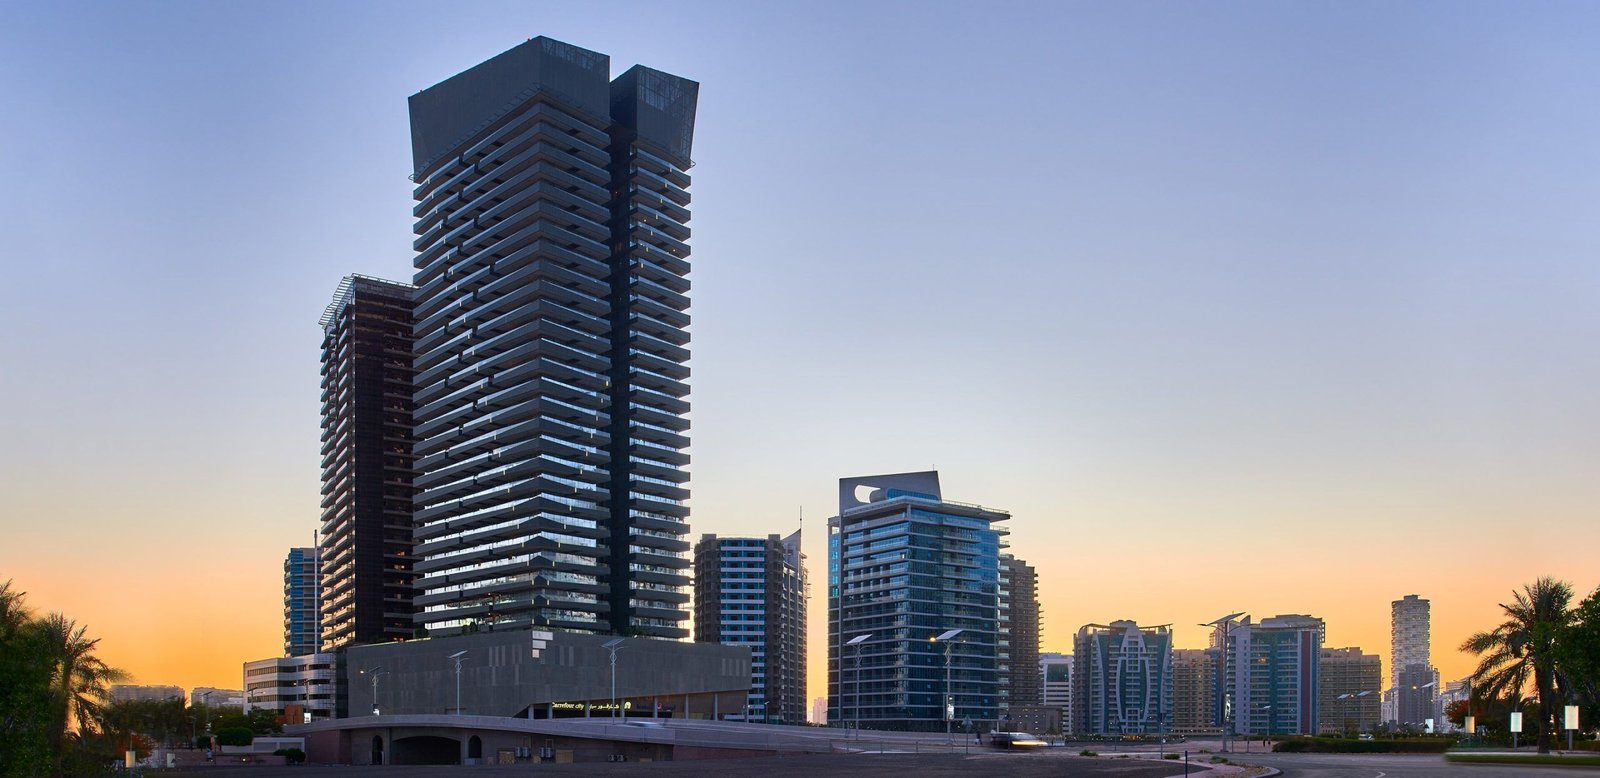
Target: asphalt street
(977,765)
(1393,766)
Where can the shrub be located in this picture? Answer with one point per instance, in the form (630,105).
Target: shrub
(1087,752)
(235,736)
(1324,745)
(291,755)
(1169,756)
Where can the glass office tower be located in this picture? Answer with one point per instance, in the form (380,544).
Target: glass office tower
(551,346)
(905,569)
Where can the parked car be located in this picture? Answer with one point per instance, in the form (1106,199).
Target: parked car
(1016,740)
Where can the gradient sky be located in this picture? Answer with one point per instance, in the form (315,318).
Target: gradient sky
(1276,307)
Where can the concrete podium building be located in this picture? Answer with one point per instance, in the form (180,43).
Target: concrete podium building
(535,674)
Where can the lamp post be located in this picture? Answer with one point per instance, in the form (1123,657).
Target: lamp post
(373,673)
(947,638)
(457,656)
(1415,690)
(1345,700)
(1225,623)
(856,642)
(613,645)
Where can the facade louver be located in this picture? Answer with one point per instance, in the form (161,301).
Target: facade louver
(551,345)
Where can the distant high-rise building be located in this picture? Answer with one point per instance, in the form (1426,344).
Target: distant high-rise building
(1413,679)
(551,345)
(1414,696)
(300,605)
(1055,675)
(819,711)
(1273,667)
(1019,634)
(127,692)
(752,592)
(1409,635)
(1122,679)
(366,464)
(1351,693)
(905,568)
(1453,692)
(213,697)
(1193,691)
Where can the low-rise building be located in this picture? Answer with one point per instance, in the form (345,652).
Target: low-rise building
(292,686)
(1055,675)
(127,692)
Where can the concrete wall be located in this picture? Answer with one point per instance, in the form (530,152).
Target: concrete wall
(506,673)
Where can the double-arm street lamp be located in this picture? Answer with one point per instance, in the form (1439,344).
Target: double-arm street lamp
(613,645)
(856,642)
(948,638)
(1346,699)
(372,672)
(457,656)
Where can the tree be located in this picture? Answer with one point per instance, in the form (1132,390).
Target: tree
(79,680)
(25,741)
(1526,648)
(1580,651)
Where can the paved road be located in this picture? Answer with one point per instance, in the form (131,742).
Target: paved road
(978,765)
(1393,766)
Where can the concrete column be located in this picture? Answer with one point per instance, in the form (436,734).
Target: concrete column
(586,707)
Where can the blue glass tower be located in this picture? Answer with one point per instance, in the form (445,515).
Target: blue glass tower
(301,632)
(905,568)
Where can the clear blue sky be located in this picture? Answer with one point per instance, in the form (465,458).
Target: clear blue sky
(1307,283)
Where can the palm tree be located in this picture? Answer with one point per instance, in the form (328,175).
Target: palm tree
(79,680)
(14,612)
(1525,648)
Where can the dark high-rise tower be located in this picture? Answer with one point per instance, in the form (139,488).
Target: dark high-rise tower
(752,592)
(1020,684)
(550,340)
(366,464)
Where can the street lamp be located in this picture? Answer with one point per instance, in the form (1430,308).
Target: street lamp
(1347,699)
(947,638)
(457,656)
(373,672)
(614,645)
(1225,623)
(856,642)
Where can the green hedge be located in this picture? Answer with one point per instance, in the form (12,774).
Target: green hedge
(1589,761)
(1322,745)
